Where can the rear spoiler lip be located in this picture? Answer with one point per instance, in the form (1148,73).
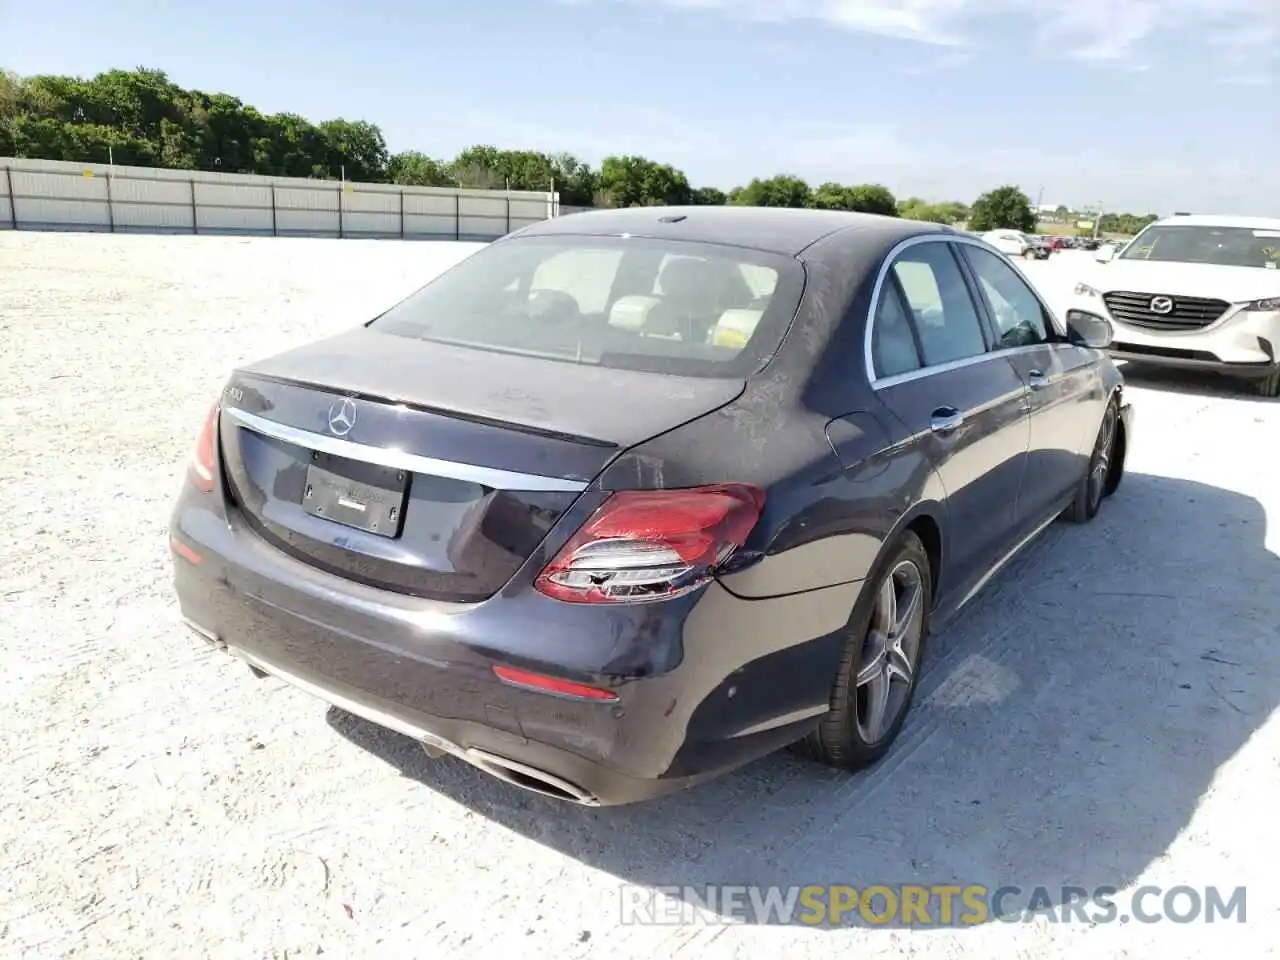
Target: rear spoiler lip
(421,408)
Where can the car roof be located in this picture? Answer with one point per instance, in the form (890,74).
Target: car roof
(779,230)
(1211,220)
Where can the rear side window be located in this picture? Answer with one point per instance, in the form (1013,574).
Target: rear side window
(945,317)
(664,306)
(893,345)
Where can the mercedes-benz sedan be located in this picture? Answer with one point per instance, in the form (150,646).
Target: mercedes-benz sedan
(629,498)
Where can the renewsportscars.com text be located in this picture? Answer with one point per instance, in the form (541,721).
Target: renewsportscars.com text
(936,905)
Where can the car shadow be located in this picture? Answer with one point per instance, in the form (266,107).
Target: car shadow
(1065,728)
(1191,382)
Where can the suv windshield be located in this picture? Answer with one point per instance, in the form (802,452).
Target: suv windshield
(1220,246)
(663,306)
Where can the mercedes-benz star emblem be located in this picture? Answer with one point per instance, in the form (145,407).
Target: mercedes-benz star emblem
(1161,305)
(342,417)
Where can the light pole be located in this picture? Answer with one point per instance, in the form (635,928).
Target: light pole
(1097,219)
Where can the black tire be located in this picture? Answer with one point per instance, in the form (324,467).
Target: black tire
(1270,385)
(842,739)
(1093,486)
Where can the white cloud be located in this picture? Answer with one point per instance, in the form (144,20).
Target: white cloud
(1099,30)
(948,61)
(1251,52)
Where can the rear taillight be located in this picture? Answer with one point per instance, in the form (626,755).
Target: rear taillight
(206,452)
(652,544)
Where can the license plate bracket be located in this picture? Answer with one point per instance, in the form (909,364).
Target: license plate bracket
(365,496)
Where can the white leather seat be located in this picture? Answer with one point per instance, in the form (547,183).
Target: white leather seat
(734,328)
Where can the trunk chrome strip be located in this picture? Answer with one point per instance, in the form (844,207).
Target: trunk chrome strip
(401,460)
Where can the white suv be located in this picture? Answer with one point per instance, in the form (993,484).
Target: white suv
(1194,292)
(1010,242)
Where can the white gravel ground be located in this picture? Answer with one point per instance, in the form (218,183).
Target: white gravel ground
(1103,715)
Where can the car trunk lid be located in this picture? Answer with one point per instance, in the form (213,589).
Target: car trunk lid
(430,469)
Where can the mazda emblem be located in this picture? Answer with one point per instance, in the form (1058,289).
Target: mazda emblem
(1161,305)
(342,417)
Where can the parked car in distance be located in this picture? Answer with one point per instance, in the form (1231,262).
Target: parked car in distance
(1198,292)
(1014,243)
(627,499)
(1045,245)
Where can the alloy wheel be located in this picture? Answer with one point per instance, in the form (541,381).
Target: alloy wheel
(1100,465)
(890,653)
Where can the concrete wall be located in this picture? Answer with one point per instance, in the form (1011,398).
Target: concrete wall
(59,195)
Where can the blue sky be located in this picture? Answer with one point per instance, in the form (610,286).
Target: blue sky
(1141,105)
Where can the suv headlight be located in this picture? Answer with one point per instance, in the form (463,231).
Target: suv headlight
(1084,290)
(1270,303)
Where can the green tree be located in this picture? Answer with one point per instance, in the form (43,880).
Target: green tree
(829,196)
(356,146)
(143,118)
(953,211)
(292,146)
(926,212)
(412,168)
(783,190)
(872,198)
(486,167)
(860,198)
(950,211)
(1126,224)
(631,181)
(575,181)
(1005,208)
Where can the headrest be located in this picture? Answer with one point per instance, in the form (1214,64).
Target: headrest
(631,313)
(684,278)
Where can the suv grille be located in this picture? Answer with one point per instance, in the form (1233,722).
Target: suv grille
(1188,313)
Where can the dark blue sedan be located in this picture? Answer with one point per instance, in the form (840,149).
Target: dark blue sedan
(629,498)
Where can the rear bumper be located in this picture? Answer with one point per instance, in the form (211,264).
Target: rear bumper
(425,669)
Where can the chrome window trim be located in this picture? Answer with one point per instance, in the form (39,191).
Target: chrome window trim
(923,372)
(868,359)
(402,460)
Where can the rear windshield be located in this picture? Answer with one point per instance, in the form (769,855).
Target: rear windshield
(662,306)
(1221,246)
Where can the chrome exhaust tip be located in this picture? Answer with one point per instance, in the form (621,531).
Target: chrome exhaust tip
(205,634)
(529,778)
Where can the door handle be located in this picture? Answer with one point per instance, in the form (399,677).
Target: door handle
(945,420)
(1036,380)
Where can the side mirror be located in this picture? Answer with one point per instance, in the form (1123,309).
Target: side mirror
(1088,330)
(1105,254)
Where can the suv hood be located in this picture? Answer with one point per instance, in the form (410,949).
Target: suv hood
(1232,284)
